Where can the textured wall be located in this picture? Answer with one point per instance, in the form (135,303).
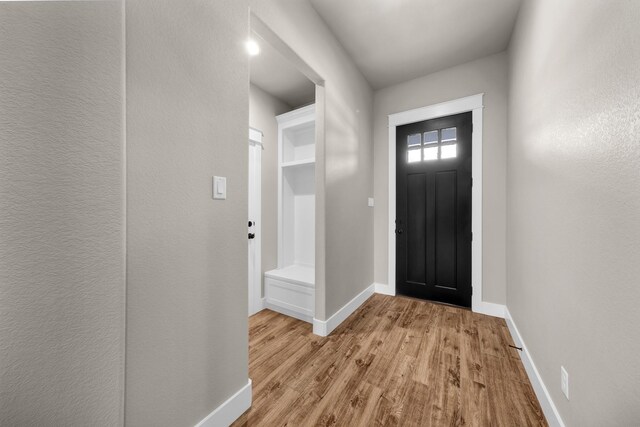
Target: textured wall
(573,229)
(62,217)
(348,151)
(187,120)
(488,75)
(263,109)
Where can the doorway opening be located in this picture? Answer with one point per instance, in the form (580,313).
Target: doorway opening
(285,96)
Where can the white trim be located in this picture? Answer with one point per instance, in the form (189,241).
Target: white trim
(462,105)
(255,135)
(230,410)
(320,327)
(325,327)
(383,289)
(548,407)
(476,208)
(490,309)
(295,163)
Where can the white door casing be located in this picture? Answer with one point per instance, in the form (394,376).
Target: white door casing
(254,210)
(473,104)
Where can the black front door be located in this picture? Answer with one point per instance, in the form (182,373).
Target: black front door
(433,209)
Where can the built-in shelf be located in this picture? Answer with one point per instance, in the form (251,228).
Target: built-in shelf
(296,133)
(298,163)
(290,289)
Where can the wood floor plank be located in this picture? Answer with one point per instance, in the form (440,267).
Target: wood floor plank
(430,346)
(384,363)
(445,407)
(353,400)
(262,407)
(470,353)
(389,408)
(395,362)
(474,403)
(492,338)
(285,370)
(505,368)
(513,403)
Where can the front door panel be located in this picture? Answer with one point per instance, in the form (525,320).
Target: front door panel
(433,223)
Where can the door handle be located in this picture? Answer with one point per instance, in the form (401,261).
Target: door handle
(252,236)
(399,230)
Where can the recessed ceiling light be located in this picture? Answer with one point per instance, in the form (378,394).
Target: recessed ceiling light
(252,47)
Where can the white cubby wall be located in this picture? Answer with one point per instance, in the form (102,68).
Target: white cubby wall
(298,215)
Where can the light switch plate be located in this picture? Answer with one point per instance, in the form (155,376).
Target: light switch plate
(370,202)
(219,187)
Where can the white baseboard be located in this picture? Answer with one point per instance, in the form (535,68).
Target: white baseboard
(258,308)
(230,410)
(548,407)
(325,327)
(383,289)
(490,309)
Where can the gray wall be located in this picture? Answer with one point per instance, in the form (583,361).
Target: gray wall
(62,255)
(263,109)
(348,152)
(488,75)
(573,224)
(187,117)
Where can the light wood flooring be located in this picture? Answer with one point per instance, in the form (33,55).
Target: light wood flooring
(395,362)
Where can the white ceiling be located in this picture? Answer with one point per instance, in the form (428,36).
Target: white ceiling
(392,41)
(274,74)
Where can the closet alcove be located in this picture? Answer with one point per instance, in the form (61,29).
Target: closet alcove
(290,289)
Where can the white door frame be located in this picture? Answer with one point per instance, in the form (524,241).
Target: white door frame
(473,104)
(256,302)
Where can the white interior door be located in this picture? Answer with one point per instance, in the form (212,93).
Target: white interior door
(255,221)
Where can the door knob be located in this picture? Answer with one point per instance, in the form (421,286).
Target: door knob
(251,223)
(399,230)
(252,235)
